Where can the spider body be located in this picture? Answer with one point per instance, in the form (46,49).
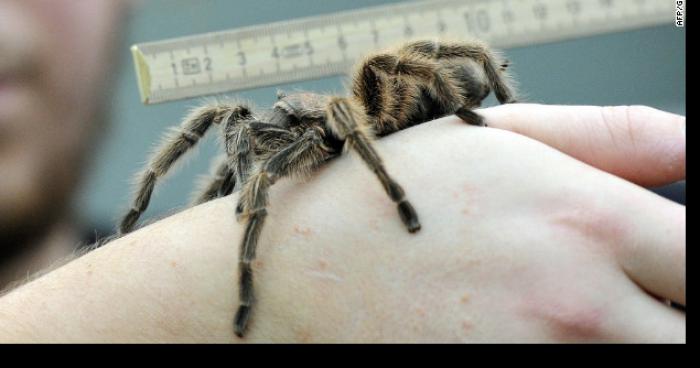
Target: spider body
(302,111)
(390,91)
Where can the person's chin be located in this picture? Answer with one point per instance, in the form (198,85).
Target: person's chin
(19,194)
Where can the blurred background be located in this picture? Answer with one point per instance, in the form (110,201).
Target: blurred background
(645,66)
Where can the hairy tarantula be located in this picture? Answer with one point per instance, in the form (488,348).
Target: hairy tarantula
(392,90)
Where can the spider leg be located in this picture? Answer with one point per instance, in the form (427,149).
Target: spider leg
(443,88)
(348,122)
(220,185)
(176,143)
(373,87)
(246,139)
(270,137)
(440,85)
(267,137)
(302,155)
(494,67)
(239,150)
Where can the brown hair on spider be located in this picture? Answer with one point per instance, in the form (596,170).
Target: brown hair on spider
(391,90)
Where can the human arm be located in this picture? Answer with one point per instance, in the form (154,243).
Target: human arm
(520,242)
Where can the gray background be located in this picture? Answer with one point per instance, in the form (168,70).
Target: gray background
(639,67)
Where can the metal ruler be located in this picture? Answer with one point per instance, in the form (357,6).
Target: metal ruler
(330,44)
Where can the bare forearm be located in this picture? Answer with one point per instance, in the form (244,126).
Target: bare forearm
(161,284)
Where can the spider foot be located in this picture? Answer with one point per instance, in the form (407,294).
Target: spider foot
(240,323)
(470,117)
(409,216)
(239,213)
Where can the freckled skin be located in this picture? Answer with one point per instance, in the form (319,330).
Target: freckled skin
(304,336)
(467,325)
(303,231)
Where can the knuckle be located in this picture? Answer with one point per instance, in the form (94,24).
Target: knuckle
(648,135)
(629,122)
(598,226)
(570,318)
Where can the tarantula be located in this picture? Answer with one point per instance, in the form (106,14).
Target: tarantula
(392,90)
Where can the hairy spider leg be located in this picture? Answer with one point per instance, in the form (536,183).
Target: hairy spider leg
(175,144)
(494,69)
(220,185)
(348,121)
(235,168)
(378,93)
(302,155)
(442,87)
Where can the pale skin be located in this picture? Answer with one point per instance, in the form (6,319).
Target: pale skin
(520,243)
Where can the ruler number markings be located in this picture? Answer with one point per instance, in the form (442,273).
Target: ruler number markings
(478,21)
(323,46)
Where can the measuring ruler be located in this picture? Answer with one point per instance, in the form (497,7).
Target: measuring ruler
(320,46)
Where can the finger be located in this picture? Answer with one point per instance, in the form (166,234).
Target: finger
(640,318)
(638,143)
(653,252)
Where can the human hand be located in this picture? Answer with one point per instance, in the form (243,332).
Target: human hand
(519,242)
